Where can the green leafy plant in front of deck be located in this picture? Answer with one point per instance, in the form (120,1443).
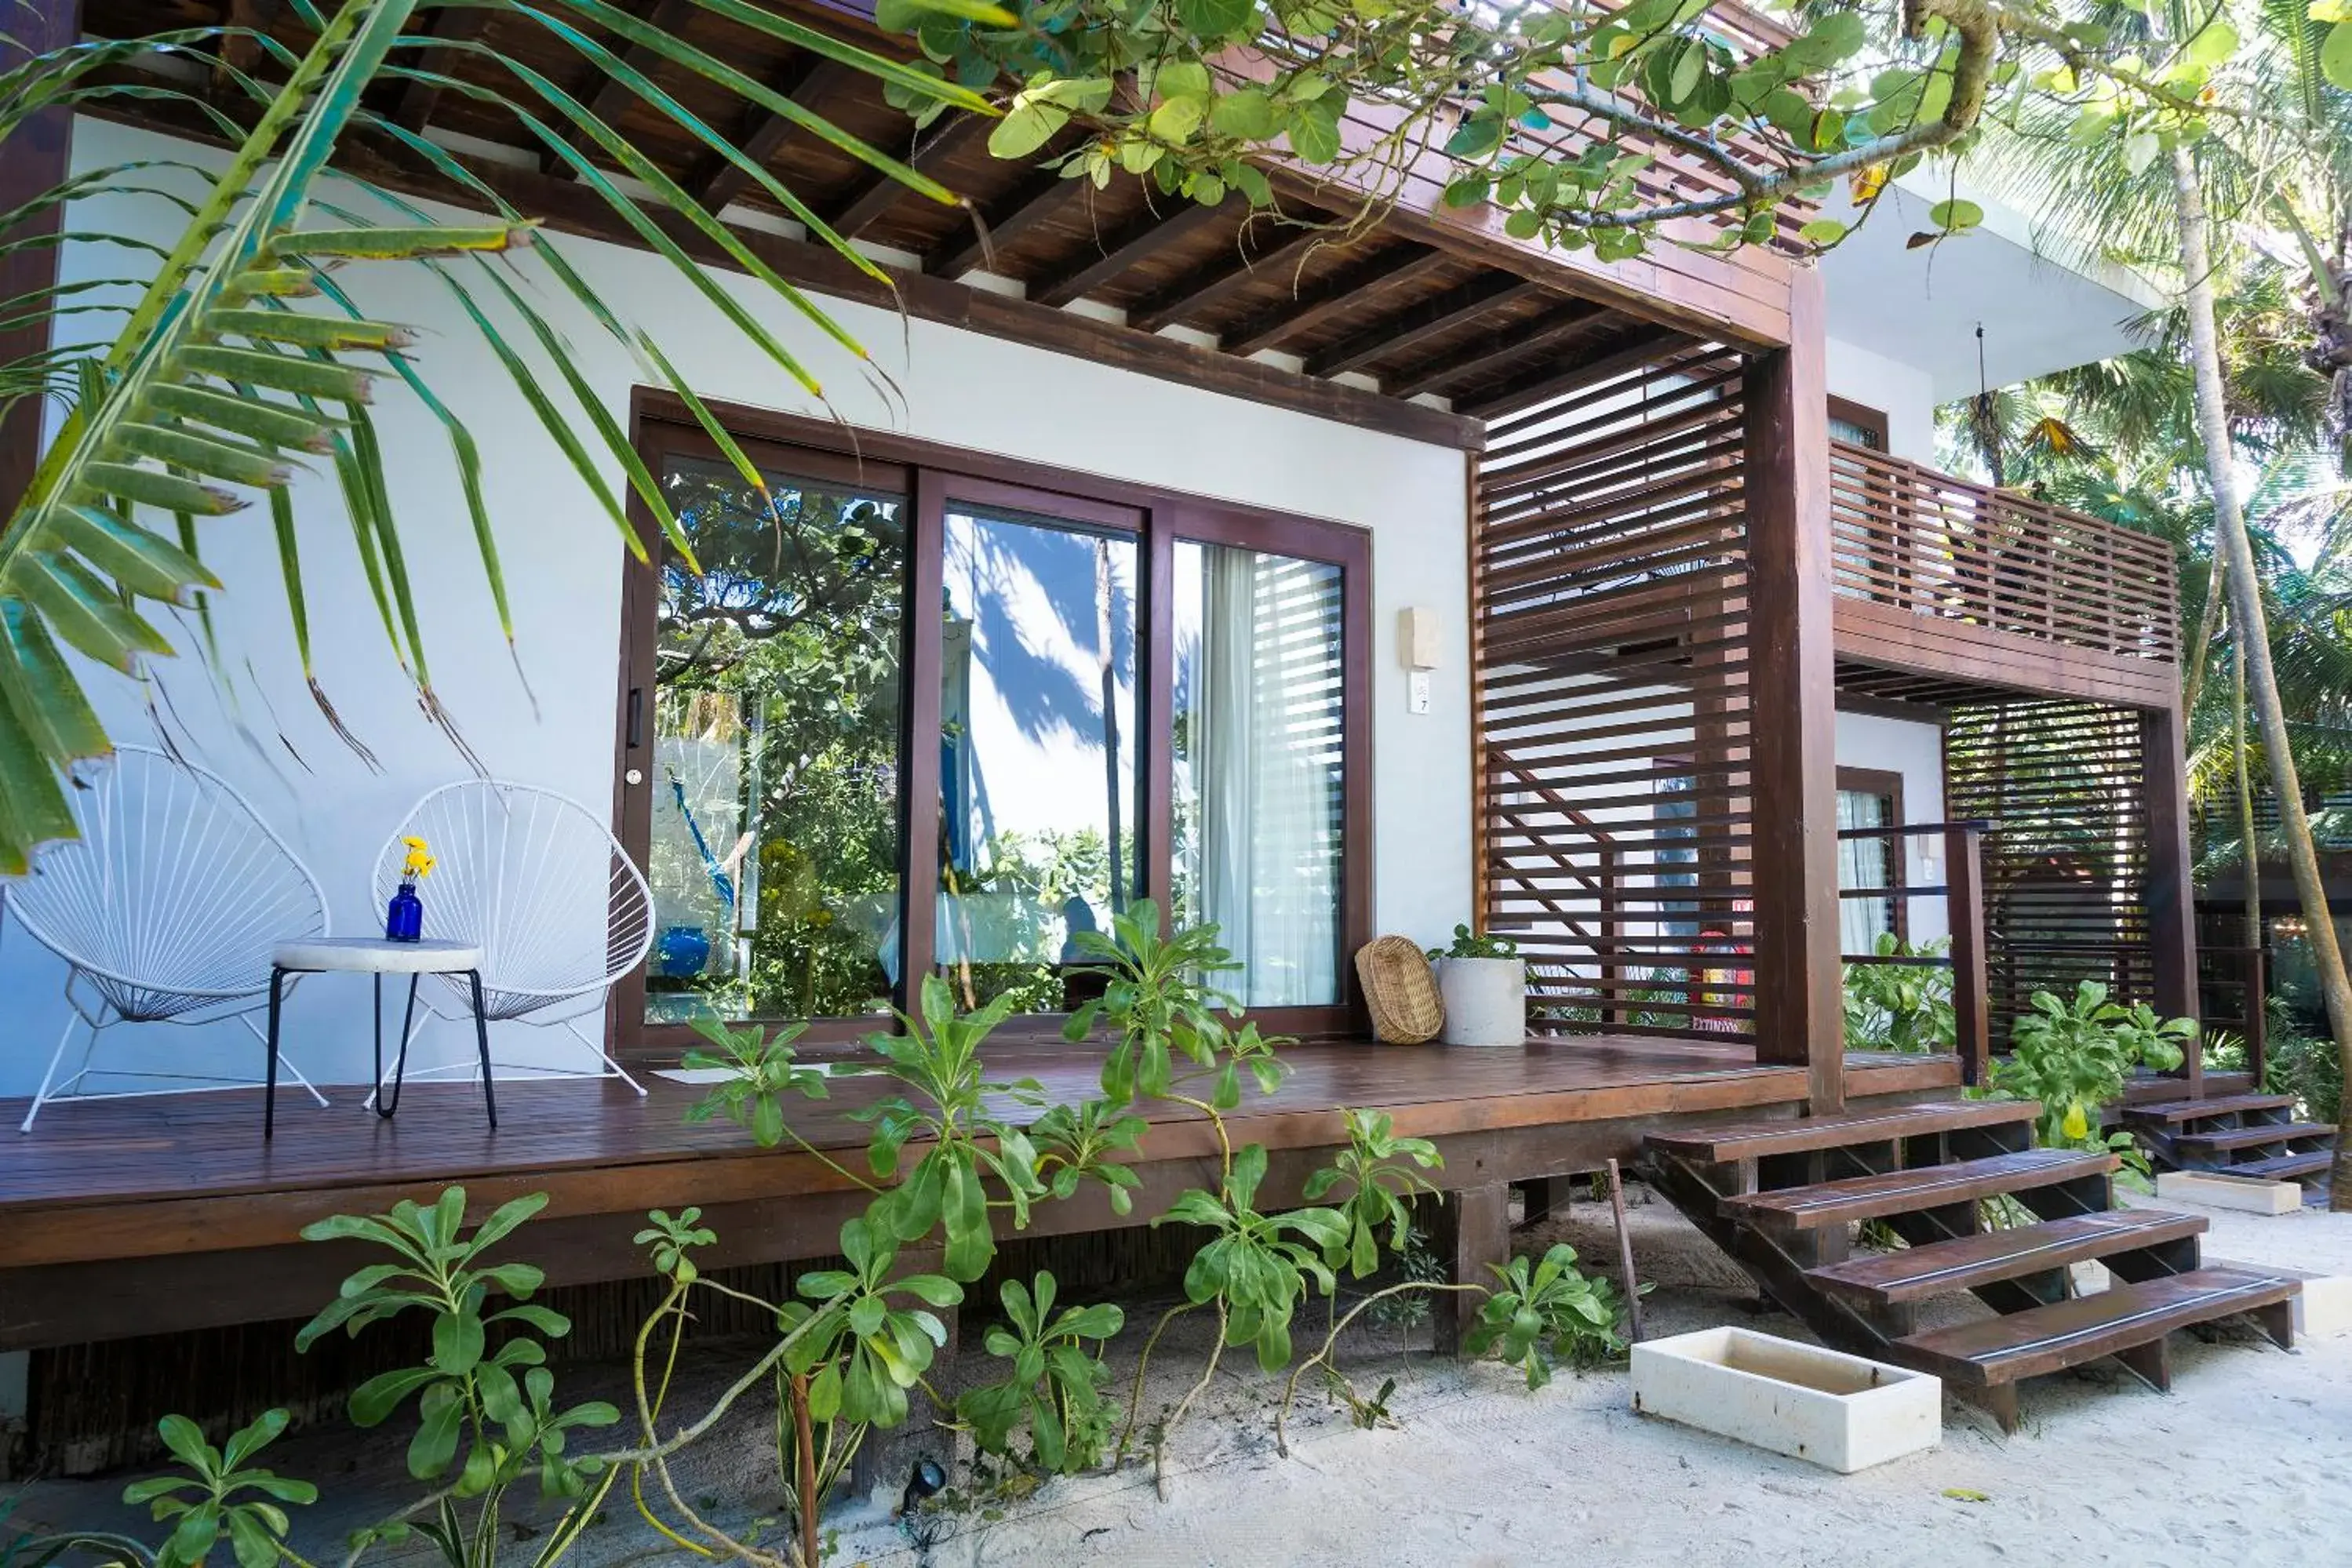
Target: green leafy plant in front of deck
(1159,1005)
(1256,1266)
(761,1068)
(2073,1054)
(1545,1311)
(222,1496)
(1381,1171)
(1901,1007)
(1055,1387)
(494,1405)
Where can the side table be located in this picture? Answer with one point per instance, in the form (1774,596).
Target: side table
(375,956)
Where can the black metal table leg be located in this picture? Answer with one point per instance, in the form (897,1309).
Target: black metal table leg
(387,1107)
(482,1043)
(270,1072)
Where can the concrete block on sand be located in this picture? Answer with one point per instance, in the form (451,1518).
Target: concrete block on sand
(2216,1190)
(1842,1412)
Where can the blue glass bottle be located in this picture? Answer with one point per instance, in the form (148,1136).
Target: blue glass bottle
(403,918)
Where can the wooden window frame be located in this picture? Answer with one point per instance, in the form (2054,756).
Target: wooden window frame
(1873,420)
(1887,783)
(930,476)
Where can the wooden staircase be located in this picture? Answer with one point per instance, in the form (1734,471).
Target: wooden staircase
(2242,1134)
(1781,1198)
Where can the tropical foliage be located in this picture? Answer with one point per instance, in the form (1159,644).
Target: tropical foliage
(2072,1053)
(244,348)
(1901,1006)
(856,1347)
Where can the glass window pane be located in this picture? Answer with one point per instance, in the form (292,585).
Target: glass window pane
(1038,752)
(775,847)
(1259,796)
(1864,862)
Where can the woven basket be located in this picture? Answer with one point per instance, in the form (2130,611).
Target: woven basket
(1400,991)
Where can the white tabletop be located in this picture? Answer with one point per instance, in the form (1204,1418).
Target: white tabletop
(375,956)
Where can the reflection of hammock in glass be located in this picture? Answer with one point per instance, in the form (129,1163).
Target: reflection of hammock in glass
(720,883)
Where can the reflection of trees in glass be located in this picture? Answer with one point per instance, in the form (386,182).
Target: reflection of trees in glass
(786,645)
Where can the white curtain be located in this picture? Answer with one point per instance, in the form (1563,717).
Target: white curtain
(1861,863)
(1266,714)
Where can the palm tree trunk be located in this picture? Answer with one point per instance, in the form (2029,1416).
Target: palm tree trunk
(2254,633)
(2248,851)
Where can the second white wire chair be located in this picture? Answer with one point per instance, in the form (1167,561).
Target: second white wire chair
(166,908)
(538,882)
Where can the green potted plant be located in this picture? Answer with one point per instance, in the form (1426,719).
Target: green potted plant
(1483,983)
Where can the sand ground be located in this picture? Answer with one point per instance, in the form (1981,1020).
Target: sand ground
(2249,1462)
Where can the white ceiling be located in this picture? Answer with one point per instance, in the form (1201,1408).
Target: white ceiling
(1922,307)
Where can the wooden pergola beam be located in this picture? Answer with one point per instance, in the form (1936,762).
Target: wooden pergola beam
(614,95)
(1517,345)
(418,99)
(1184,300)
(1335,296)
(719,181)
(1644,343)
(1148,233)
(974,243)
(881,192)
(1421,322)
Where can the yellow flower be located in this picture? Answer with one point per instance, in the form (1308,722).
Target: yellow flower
(2076,1125)
(418,862)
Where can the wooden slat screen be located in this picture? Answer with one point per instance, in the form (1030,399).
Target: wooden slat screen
(1610,685)
(2066,863)
(1937,545)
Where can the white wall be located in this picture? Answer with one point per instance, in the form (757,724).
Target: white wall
(1905,393)
(1915,751)
(563,564)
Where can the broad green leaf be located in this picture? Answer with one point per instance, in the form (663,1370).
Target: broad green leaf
(2336,56)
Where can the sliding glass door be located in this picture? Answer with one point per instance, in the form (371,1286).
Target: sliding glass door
(1051,697)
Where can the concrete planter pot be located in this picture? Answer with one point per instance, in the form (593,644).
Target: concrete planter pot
(1485,1000)
(1842,1412)
(2219,1189)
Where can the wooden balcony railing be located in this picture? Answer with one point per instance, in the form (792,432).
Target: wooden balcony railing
(1905,535)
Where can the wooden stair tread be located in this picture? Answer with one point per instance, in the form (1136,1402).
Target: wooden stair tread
(2173,1113)
(1906,1191)
(2280,1167)
(1801,1134)
(2068,1332)
(2221,1138)
(1915,1273)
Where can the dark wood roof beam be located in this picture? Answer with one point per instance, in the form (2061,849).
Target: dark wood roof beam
(614,95)
(975,243)
(803,79)
(1419,323)
(1150,232)
(1515,345)
(417,98)
(880,192)
(1183,301)
(1334,297)
(1646,342)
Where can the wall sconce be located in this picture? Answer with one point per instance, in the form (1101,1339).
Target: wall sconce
(1931,860)
(1417,652)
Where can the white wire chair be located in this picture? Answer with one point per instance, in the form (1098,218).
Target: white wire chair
(167,908)
(538,882)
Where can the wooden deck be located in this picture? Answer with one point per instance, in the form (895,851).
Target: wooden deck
(143,1216)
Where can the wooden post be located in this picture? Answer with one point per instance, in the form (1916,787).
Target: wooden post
(1479,1237)
(2171,899)
(1792,696)
(1964,904)
(39,152)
